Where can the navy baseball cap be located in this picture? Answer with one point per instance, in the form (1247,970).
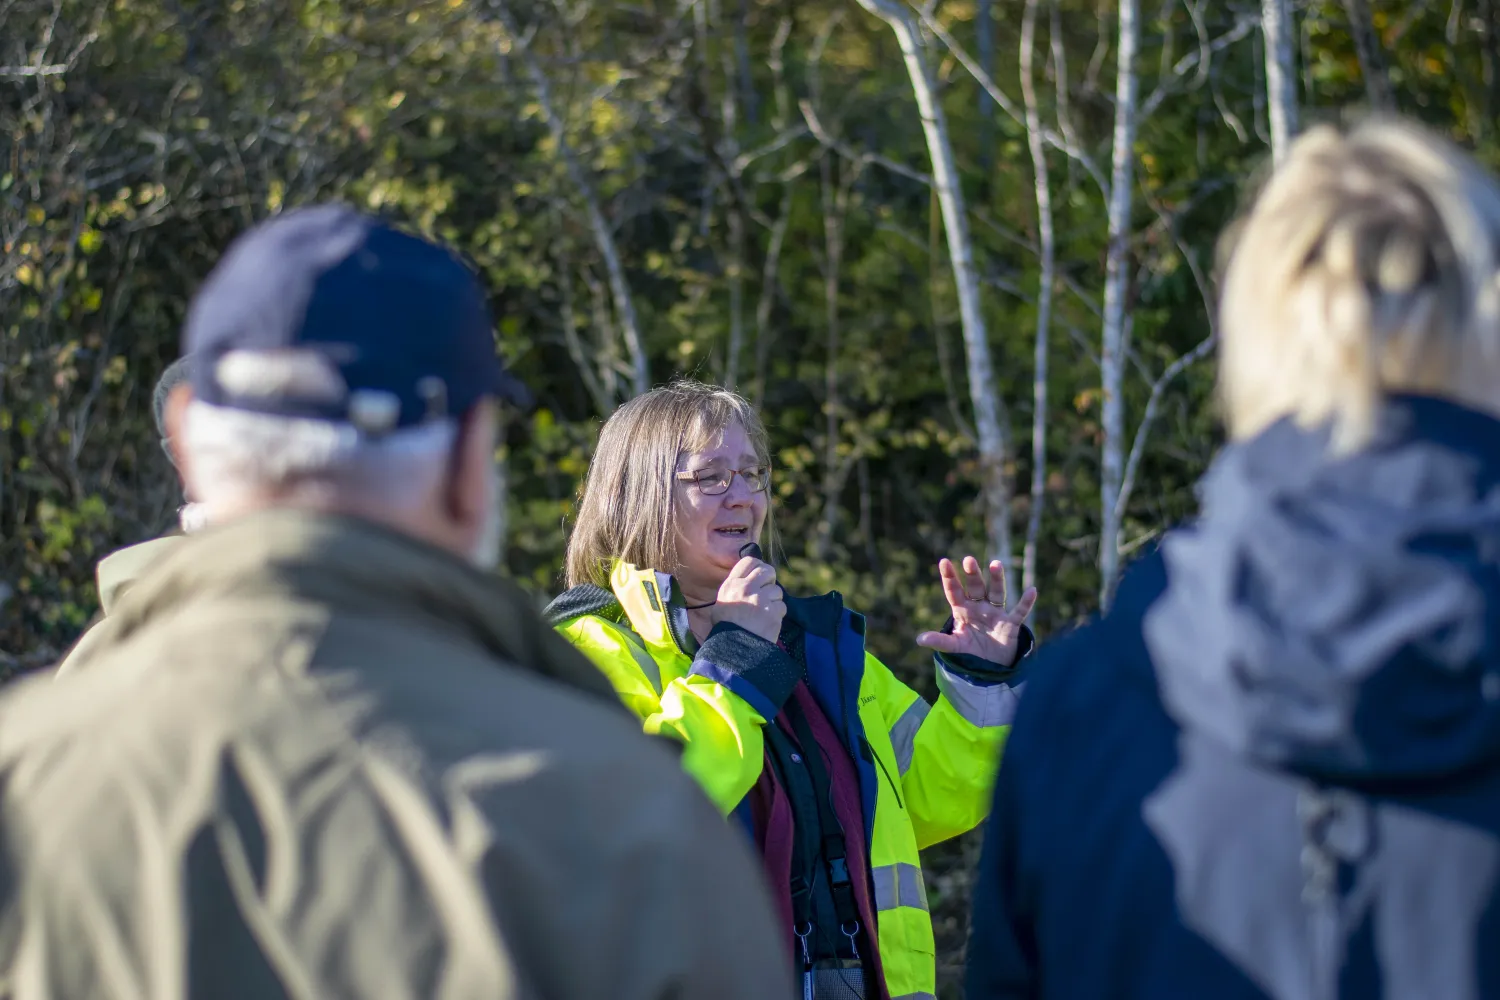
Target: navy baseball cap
(399,326)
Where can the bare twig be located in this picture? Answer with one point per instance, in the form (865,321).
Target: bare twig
(603,237)
(20,72)
(603,404)
(769,282)
(1371,58)
(1177,367)
(1165,88)
(990,420)
(786,138)
(1062,142)
(860,157)
(935,277)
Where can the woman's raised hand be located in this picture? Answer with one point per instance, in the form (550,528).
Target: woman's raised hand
(751,598)
(982,625)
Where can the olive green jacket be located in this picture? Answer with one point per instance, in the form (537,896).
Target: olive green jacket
(305,757)
(116,573)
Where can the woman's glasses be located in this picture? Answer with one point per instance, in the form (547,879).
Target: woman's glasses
(712,482)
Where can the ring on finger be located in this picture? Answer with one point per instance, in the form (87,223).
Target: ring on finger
(1004,597)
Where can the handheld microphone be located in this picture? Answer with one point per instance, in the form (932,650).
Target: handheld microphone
(750,549)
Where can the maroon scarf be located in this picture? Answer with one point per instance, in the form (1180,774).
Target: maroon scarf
(775,836)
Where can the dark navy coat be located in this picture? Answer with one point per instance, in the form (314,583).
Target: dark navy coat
(1273,769)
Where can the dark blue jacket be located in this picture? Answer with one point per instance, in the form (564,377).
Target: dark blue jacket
(1273,769)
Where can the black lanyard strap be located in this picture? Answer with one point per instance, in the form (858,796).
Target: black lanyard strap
(834,853)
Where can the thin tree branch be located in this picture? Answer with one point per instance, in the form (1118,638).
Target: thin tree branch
(860,157)
(1244,24)
(619,288)
(1044,297)
(1067,145)
(1138,446)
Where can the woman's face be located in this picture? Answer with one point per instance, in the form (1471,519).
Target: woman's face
(712,529)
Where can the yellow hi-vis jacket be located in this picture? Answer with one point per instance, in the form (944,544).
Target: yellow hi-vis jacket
(926,771)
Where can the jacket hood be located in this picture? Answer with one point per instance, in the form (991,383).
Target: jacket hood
(582,599)
(645,599)
(1339,617)
(119,570)
(355,567)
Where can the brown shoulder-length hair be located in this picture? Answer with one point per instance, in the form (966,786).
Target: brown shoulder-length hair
(626,506)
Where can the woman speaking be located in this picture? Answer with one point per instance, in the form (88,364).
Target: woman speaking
(839,772)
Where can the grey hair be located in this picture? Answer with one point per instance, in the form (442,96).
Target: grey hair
(234,453)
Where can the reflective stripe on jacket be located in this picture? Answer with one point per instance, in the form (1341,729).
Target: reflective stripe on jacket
(926,771)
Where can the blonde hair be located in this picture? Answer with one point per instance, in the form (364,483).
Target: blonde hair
(627,507)
(1367,266)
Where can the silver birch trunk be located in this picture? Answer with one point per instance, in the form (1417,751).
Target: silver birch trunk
(1371,58)
(603,404)
(835,201)
(1116,280)
(767,300)
(729,111)
(984,28)
(1035,141)
(1281,81)
(619,288)
(984,391)
(736,295)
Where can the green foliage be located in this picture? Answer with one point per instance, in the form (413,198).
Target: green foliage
(137,138)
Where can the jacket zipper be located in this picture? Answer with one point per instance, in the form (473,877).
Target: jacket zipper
(881,764)
(1320,867)
(838,669)
(666,610)
(1325,931)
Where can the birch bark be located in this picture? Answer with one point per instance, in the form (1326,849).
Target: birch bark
(1281,81)
(1048,248)
(640,376)
(984,390)
(1116,282)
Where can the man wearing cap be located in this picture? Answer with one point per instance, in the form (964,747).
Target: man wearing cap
(117,571)
(319,750)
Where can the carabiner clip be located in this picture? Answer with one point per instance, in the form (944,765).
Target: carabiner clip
(850,934)
(802,936)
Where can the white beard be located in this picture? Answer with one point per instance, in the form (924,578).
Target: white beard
(192,517)
(486,551)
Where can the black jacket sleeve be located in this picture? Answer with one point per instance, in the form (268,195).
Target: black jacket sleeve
(1002,952)
(757,670)
(985,671)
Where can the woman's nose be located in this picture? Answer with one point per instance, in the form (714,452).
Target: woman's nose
(738,494)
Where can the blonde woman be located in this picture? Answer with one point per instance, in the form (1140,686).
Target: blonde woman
(1273,769)
(839,772)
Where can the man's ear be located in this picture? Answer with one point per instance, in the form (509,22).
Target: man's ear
(469,487)
(174,420)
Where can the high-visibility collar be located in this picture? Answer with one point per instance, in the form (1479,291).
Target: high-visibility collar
(655,611)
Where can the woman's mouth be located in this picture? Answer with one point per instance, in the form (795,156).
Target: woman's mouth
(739,531)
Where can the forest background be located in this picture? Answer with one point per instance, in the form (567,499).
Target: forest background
(961,254)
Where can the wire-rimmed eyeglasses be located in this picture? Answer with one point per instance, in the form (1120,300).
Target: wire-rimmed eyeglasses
(712,482)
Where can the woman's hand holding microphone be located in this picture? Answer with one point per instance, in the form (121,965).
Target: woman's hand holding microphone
(750,597)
